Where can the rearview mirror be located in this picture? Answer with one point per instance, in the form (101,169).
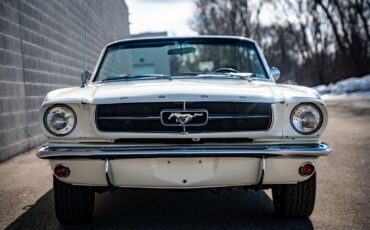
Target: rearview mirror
(181,51)
(275,72)
(85,77)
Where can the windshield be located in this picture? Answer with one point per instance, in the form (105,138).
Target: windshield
(156,58)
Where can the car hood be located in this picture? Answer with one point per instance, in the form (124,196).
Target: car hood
(180,90)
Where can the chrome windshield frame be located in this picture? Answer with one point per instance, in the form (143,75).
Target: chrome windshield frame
(258,50)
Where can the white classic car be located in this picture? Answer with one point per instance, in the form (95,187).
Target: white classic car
(183,113)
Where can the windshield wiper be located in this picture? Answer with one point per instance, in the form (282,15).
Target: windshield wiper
(135,76)
(188,74)
(245,76)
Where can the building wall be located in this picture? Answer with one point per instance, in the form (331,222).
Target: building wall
(41,49)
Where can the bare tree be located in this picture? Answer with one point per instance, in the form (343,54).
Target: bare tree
(314,41)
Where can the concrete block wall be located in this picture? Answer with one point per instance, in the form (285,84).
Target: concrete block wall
(41,49)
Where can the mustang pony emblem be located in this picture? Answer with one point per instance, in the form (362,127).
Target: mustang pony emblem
(184,118)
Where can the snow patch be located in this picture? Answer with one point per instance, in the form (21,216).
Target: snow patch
(351,86)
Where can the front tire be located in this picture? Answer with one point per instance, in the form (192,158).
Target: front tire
(73,204)
(297,200)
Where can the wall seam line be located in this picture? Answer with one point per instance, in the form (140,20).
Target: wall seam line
(23,71)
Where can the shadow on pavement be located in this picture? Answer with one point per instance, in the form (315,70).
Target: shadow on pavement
(158,209)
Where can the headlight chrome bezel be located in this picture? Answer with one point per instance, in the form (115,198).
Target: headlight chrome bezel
(314,106)
(45,121)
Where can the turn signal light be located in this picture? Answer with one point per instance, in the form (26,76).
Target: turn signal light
(61,171)
(307,169)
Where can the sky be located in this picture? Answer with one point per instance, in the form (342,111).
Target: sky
(171,16)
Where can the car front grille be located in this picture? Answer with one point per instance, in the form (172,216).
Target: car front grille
(146,117)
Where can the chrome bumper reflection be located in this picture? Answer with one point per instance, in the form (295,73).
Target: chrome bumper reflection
(158,151)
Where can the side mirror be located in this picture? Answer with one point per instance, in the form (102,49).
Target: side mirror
(275,72)
(85,77)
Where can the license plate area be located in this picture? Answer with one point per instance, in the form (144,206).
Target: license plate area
(184,171)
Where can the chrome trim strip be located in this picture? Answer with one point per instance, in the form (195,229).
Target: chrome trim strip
(210,117)
(131,118)
(225,117)
(303,150)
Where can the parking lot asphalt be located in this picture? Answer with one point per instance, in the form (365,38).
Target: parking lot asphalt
(342,202)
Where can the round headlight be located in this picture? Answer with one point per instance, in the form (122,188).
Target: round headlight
(60,120)
(306,118)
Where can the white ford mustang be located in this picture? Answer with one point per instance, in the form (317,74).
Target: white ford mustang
(183,113)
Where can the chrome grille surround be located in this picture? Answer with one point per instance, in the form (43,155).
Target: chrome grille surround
(221,117)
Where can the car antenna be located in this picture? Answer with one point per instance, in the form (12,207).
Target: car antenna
(84,57)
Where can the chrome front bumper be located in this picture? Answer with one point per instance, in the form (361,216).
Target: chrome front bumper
(179,151)
(160,166)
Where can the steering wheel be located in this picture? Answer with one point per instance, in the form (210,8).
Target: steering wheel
(225,70)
